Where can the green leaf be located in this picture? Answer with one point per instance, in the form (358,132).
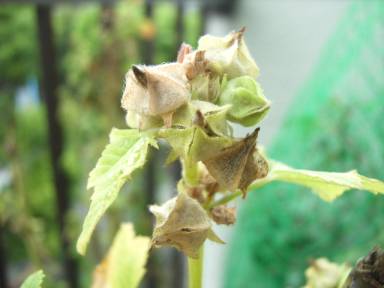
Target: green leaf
(124,265)
(327,185)
(125,153)
(34,280)
(128,256)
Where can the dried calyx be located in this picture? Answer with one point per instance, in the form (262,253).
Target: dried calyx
(368,272)
(223,215)
(229,55)
(237,166)
(182,223)
(155,91)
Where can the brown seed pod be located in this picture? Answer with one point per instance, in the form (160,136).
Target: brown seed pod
(156,90)
(184,50)
(182,223)
(224,215)
(369,271)
(228,55)
(239,165)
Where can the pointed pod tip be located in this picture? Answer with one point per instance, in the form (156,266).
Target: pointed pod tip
(253,136)
(242,30)
(140,75)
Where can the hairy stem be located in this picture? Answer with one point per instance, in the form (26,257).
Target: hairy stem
(195,270)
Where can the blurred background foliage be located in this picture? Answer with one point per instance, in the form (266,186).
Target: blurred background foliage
(95,47)
(334,124)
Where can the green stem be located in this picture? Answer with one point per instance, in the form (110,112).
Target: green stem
(224,200)
(195,270)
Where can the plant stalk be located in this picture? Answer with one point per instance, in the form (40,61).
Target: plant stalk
(195,270)
(224,200)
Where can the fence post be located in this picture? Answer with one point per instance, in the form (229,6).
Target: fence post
(49,84)
(149,173)
(179,23)
(3,260)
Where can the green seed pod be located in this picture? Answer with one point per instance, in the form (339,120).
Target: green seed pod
(249,106)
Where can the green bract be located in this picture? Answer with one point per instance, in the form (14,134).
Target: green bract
(206,87)
(248,104)
(126,152)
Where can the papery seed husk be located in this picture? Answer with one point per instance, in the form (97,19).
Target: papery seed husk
(237,166)
(224,215)
(369,271)
(155,90)
(182,223)
(229,55)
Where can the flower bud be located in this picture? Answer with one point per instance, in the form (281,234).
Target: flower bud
(249,106)
(229,55)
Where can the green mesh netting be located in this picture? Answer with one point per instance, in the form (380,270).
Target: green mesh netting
(335,123)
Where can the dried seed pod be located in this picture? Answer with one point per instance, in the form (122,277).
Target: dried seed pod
(228,55)
(369,271)
(196,193)
(237,166)
(182,223)
(156,90)
(184,50)
(204,84)
(195,64)
(224,215)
